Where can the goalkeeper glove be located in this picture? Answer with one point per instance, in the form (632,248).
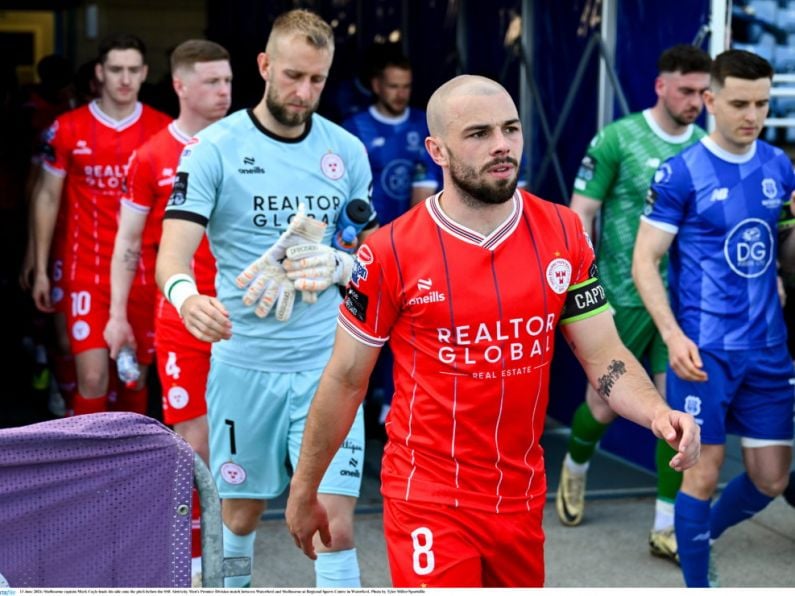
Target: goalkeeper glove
(314,267)
(270,287)
(267,269)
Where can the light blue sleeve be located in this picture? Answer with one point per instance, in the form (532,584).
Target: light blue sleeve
(199,176)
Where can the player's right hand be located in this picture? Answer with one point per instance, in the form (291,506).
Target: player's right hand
(206,318)
(685,359)
(41,293)
(306,516)
(117,334)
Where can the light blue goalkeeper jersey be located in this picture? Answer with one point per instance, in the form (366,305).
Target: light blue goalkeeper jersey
(244,184)
(724,210)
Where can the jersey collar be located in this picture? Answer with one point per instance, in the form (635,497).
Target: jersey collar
(656,129)
(180,136)
(490,242)
(394,121)
(117,125)
(721,153)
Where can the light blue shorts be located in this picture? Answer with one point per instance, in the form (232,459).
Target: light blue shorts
(256,422)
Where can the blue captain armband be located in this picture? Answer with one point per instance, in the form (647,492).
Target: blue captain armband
(584,300)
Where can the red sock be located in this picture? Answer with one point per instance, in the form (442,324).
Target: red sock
(90,405)
(66,375)
(132,400)
(196,534)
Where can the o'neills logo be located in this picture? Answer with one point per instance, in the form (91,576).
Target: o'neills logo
(434,296)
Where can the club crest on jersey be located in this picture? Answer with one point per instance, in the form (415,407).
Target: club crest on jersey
(177,397)
(332,166)
(232,473)
(769,188)
(559,275)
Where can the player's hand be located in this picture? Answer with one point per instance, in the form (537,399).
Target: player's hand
(305,516)
(685,358)
(26,271)
(41,293)
(206,318)
(118,333)
(315,267)
(682,433)
(271,287)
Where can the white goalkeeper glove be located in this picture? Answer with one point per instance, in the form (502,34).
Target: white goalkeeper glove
(315,267)
(271,287)
(268,272)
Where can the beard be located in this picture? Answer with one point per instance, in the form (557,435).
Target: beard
(477,192)
(282,115)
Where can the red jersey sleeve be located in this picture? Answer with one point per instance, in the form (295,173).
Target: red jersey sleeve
(371,304)
(139,185)
(55,147)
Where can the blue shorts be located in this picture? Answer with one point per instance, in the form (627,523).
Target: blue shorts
(256,422)
(749,393)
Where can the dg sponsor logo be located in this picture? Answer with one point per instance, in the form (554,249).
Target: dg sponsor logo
(396,179)
(748,248)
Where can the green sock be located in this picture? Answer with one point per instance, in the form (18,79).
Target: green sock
(585,434)
(668,479)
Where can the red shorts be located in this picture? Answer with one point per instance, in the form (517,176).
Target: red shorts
(183,363)
(436,546)
(57,294)
(87,311)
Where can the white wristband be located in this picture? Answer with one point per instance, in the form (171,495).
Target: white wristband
(179,287)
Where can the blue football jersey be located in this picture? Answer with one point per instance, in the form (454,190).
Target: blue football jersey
(398,160)
(723,209)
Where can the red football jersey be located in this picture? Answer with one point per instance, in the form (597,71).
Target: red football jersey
(150,177)
(91,151)
(471,322)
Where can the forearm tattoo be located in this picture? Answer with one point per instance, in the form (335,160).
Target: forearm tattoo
(131,258)
(615,371)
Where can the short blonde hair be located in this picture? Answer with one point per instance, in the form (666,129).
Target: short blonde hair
(316,31)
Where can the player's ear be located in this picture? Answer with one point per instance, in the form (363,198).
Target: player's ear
(263,62)
(709,100)
(436,150)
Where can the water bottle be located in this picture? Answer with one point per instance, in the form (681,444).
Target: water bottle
(351,222)
(127,366)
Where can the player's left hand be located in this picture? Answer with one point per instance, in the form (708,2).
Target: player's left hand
(117,334)
(314,267)
(682,433)
(305,516)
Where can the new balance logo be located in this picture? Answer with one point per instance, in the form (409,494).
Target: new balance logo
(424,284)
(720,194)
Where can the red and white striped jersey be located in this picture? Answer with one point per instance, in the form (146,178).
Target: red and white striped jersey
(471,322)
(150,177)
(91,151)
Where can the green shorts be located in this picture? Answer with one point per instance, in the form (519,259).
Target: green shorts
(256,422)
(636,329)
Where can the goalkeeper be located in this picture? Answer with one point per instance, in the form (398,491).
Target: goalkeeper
(268,185)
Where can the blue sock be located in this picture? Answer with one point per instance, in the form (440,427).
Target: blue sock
(238,546)
(691,523)
(739,500)
(338,569)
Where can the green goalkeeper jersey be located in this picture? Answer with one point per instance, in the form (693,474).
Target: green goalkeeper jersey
(617,170)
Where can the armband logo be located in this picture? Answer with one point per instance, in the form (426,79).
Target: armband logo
(356,303)
(180,190)
(663,174)
(362,258)
(559,275)
(587,167)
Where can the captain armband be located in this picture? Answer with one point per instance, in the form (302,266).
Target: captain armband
(584,300)
(178,288)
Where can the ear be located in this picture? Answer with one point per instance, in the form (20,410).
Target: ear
(709,100)
(99,74)
(144,71)
(659,86)
(436,150)
(263,62)
(178,84)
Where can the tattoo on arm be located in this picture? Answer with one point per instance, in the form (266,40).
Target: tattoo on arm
(131,258)
(615,370)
